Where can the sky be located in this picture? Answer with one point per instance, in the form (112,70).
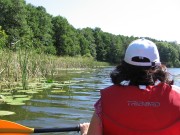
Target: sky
(158,19)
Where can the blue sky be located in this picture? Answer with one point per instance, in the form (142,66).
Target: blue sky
(159,19)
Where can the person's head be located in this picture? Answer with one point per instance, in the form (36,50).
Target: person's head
(141,65)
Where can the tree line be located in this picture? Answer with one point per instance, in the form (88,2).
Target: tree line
(23,25)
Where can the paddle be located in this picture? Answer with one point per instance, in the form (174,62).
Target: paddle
(12,128)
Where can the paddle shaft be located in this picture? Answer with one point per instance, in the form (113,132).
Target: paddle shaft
(8,127)
(67,129)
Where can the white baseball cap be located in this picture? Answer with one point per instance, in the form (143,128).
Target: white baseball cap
(142,52)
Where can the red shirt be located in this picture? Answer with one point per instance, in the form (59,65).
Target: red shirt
(127,110)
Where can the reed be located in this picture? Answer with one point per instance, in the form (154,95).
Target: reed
(23,62)
(23,66)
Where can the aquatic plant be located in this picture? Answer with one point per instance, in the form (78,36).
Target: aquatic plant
(21,67)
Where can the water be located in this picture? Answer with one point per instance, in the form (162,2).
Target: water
(175,72)
(51,110)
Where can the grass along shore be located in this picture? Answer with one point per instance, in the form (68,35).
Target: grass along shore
(23,66)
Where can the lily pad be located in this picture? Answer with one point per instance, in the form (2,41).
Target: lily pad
(66,82)
(22,90)
(3,113)
(5,93)
(31,92)
(16,103)
(20,96)
(18,100)
(57,88)
(8,100)
(6,90)
(22,99)
(19,88)
(60,85)
(58,91)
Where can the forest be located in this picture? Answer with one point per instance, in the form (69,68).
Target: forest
(25,26)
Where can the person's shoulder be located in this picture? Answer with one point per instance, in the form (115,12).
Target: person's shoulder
(174,95)
(112,87)
(176,89)
(168,88)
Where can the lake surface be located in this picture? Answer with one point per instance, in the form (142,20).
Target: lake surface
(73,105)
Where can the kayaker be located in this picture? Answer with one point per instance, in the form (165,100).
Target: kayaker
(142,100)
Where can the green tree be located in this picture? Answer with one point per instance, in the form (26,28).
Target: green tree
(116,51)
(65,36)
(41,25)
(13,20)
(83,44)
(168,54)
(88,34)
(100,45)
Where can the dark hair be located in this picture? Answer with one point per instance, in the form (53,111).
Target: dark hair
(138,75)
